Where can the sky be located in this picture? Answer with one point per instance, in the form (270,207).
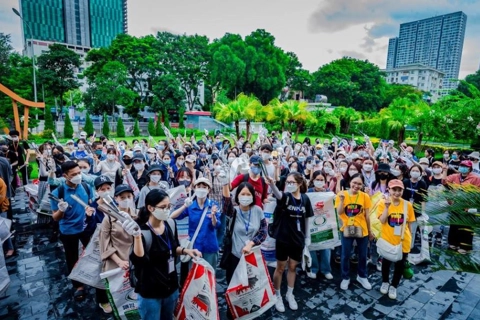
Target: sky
(318,31)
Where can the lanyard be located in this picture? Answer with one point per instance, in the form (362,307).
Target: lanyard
(247,224)
(353,206)
(161,238)
(411,188)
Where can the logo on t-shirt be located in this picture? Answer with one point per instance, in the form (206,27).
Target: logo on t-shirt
(354,209)
(395,219)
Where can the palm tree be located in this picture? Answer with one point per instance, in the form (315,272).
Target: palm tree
(398,114)
(230,112)
(253,110)
(297,114)
(277,112)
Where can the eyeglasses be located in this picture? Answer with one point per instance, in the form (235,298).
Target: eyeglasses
(290,183)
(169,207)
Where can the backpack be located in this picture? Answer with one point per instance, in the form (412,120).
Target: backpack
(264,184)
(147,234)
(61,191)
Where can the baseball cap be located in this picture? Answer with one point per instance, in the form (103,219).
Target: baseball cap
(395,183)
(383,167)
(138,157)
(122,188)
(355,156)
(424,161)
(137,148)
(70,142)
(152,150)
(128,154)
(437,163)
(255,160)
(102,180)
(475,155)
(204,181)
(190,158)
(154,167)
(83,133)
(466,163)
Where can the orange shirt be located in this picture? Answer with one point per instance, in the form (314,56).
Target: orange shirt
(4,202)
(355,206)
(396,216)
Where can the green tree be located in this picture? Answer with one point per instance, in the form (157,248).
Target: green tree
(105,126)
(167,93)
(88,125)
(181,114)
(73,97)
(474,79)
(57,69)
(298,115)
(6,50)
(277,112)
(298,79)
(49,124)
(136,129)
(67,128)
(151,127)
(350,82)
(166,119)
(158,125)
(346,116)
(394,91)
(120,128)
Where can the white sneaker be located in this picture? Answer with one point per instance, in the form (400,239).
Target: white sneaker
(344,284)
(379,264)
(392,292)
(328,276)
(364,282)
(384,287)
(311,275)
(291,301)
(279,304)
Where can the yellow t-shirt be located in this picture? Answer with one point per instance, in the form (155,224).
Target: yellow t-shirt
(355,206)
(395,218)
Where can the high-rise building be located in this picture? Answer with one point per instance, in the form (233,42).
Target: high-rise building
(87,23)
(436,42)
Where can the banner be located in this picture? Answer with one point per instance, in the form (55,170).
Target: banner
(250,293)
(177,199)
(424,255)
(268,246)
(89,265)
(324,225)
(4,277)
(198,299)
(122,297)
(375,223)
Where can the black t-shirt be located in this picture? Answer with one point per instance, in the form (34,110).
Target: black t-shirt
(416,191)
(434,182)
(154,280)
(453,164)
(142,181)
(344,185)
(293,217)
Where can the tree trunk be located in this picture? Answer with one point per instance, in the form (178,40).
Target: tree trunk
(419,141)
(401,135)
(237,129)
(248,128)
(297,132)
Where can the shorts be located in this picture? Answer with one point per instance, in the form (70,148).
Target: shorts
(284,251)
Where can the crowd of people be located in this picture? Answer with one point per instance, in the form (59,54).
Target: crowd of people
(228,182)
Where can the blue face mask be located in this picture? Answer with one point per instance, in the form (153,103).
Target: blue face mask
(463,170)
(454,157)
(255,170)
(98,152)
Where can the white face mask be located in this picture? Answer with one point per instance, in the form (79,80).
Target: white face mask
(155,178)
(351,173)
(248,150)
(230,160)
(245,200)
(309,166)
(180,163)
(85,171)
(161,214)
(395,172)
(76,180)
(293,170)
(151,156)
(265,156)
(319,184)
(328,171)
(110,156)
(104,194)
(126,203)
(201,193)
(138,166)
(446,156)
(342,169)
(414,174)
(424,166)
(81,146)
(367,167)
(437,170)
(291,188)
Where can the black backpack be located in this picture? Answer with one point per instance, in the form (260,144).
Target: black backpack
(61,191)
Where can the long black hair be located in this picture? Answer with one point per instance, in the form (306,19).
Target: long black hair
(153,198)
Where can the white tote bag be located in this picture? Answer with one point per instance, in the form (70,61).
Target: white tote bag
(389,251)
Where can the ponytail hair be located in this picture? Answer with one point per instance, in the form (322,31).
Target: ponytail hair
(300,179)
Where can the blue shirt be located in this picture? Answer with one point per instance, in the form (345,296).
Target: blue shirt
(92,221)
(206,241)
(73,220)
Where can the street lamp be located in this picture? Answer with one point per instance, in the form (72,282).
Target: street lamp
(33,55)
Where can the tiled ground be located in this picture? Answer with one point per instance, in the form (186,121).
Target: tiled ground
(39,288)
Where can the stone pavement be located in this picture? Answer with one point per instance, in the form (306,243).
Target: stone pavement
(39,288)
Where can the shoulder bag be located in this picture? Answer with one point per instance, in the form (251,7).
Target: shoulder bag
(189,243)
(389,251)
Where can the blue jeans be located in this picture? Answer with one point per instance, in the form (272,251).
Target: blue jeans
(324,261)
(362,244)
(222,230)
(211,258)
(155,309)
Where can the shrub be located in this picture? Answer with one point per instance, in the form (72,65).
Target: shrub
(49,124)
(151,127)
(105,126)
(68,128)
(181,114)
(46,134)
(166,119)
(120,128)
(158,126)
(88,125)
(136,129)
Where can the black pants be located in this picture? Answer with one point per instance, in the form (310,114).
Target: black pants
(101,295)
(461,236)
(70,244)
(232,265)
(397,273)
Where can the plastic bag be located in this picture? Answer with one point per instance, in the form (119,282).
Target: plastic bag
(250,292)
(4,276)
(324,225)
(268,246)
(198,299)
(424,255)
(121,295)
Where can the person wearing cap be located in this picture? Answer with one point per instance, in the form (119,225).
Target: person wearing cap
(392,215)
(155,174)
(70,146)
(71,217)
(206,241)
(190,162)
(425,164)
(139,174)
(382,177)
(115,242)
(152,156)
(475,158)
(461,237)
(83,135)
(435,179)
(108,166)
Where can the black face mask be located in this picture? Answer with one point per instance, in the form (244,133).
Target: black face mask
(128,161)
(383,176)
(185,183)
(58,156)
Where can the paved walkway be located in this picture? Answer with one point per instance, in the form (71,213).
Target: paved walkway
(39,288)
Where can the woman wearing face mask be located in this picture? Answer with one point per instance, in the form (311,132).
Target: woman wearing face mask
(400,171)
(179,162)
(415,191)
(81,151)
(329,170)
(368,173)
(318,184)
(155,262)
(382,177)
(154,174)
(454,163)
(152,157)
(109,166)
(231,157)
(301,157)
(249,229)
(115,242)
(190,161)
(292,234)
(352,169)
(247,148)
(308,169)
(435,179)
(353,208)
(206,241)
(140,174)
